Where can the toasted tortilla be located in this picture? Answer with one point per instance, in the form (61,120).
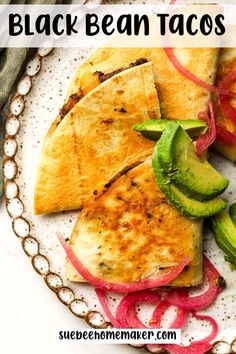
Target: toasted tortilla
(95,140)
(227,63)
(129,231)
(179,97)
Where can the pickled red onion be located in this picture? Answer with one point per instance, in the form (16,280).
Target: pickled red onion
(133,319)
(189,75)
(213,323)
(196,347)
(102,299)
(200,301)
(180,319)
(207,139)
(199,346)
(130,300)
(159,311)
(145,283)
(134,322)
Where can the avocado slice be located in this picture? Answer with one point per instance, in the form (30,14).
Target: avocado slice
(225,234)
(165,145)
(192,208)
(232,213)
(194,177)
(153,128)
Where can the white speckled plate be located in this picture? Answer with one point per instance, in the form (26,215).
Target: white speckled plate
(32,111)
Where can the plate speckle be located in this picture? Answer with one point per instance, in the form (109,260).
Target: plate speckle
(41,106)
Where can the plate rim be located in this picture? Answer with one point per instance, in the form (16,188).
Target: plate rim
(63,292)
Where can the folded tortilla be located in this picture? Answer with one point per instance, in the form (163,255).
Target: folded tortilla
(180,98)
(227,63)
(95,140)
(129,231)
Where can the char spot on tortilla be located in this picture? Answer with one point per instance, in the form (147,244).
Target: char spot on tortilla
(121,173)
(70,103)
(76,97)
(108,121)
(103,77)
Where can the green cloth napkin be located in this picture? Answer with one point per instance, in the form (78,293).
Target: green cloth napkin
(12,61)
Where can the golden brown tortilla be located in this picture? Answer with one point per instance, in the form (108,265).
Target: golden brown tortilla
(129,231)
(179,97)
(95,140)
(227,63)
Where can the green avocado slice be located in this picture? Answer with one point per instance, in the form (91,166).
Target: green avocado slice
(165,147)
(232,213)
(194,177)
(153,128)
(225,234)
(192,208)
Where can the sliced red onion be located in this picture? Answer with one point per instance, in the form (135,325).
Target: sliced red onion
(159,311)
(134,322)
(130,300)
(196,347)
(207,139)
(145,283)
(175,297)
(103,301)
(189,75)
(214,325)
(180,319)
(132,318)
